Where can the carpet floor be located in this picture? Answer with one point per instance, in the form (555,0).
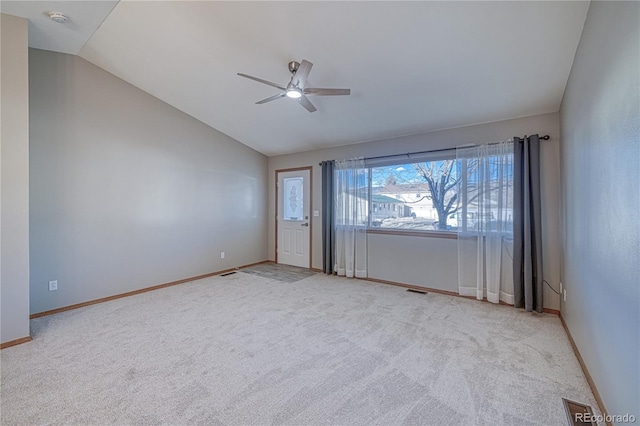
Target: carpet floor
(249,350)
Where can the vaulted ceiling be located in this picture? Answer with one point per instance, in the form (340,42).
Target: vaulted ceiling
(411,66)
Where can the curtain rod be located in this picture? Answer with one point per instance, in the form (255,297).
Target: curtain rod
(544,138)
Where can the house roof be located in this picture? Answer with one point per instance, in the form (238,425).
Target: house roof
(384,199)
(411,66)
(402,188)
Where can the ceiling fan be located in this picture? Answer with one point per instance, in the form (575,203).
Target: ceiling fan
(296,89)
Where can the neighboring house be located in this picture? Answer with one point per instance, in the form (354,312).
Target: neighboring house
(415,198)
(385,207)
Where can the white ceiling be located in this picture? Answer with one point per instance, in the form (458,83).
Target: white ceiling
(84,19)
(411,66)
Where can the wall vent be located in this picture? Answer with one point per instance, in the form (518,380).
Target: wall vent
(412,290)
(228,273)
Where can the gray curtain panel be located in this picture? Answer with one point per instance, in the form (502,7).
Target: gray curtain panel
(328,212)
(527,233)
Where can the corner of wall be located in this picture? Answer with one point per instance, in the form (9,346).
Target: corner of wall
(14,180)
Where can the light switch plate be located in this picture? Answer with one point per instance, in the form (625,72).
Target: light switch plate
(316,213)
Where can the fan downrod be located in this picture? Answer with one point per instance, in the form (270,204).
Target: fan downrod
(293,66)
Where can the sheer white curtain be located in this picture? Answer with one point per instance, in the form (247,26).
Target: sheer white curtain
(485,224)
(351,188)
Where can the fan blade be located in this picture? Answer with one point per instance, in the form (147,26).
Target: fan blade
(271,98)
(300,77)
(326,92)
(305,102)
(259,80)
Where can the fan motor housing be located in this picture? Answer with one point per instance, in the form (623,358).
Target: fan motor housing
(293,66)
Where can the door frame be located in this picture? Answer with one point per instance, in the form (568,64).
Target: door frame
(297,169)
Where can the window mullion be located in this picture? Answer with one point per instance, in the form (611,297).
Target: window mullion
(369,206)
(463,189)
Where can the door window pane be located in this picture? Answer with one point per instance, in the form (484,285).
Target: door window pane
(293,198)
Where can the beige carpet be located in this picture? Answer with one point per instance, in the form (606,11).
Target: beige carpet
(247,350)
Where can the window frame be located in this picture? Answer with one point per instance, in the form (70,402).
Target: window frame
(411,159)
(403,160)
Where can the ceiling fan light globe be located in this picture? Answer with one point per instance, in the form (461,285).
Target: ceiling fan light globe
(294,94)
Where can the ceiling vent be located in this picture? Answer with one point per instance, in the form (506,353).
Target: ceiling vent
(58,17)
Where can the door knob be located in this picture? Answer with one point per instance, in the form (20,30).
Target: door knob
(305,224)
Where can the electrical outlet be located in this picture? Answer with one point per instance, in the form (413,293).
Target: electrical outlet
(53,285)
(221,255)
(565,295)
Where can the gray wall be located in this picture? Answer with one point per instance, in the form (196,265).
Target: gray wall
(14,180)
(433,262)
(600,161)
(128,192)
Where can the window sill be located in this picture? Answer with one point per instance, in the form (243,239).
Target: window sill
(407,233)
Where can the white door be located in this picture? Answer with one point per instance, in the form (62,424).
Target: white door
(293,218)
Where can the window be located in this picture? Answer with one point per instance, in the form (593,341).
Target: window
(415,195)
(439,192)
(486,189)
(352,200)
